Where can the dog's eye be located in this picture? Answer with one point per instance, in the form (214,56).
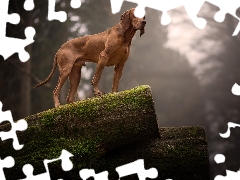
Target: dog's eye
(144,17)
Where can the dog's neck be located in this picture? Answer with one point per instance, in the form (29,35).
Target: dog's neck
(128,34)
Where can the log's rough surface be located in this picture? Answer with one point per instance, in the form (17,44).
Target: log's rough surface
(107,132)
(180,154)
(87,129)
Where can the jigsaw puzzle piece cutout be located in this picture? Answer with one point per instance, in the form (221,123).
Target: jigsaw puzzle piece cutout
(230,125)
(20,125)
(29,5)
(56,171)
(28,171)
(238,12)
(219,158)
(137,167)
(7,162)
(116,5)
(162,5)
(66,164)
(9,46)
(212,10)
(139,11)
(192,8)
(6,115)
(87,173)
(61,15)
(237,30)
(236,89)
(226,7)
(53,15)
(229,175)
(75,4)
(5,17)
(65,156)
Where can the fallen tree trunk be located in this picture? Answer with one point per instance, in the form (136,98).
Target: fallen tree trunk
(87,129)
(107,132)
(180,153)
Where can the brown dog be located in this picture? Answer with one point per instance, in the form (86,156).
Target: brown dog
(109,48)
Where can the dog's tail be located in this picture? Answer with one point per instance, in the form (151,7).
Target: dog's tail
(51,74)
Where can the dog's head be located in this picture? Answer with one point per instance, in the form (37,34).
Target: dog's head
(128,19)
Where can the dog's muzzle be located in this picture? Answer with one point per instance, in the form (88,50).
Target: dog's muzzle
(142,30)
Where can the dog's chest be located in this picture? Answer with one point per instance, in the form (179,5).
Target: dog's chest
(120,55)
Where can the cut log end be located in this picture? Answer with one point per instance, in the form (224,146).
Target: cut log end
(180,153)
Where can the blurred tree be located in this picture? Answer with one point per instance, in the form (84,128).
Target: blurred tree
(17,93)
(16,84)
(221,106)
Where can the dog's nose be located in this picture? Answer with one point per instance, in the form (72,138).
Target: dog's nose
(144,22)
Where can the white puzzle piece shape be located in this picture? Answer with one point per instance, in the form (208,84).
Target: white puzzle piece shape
(9,46)
(230,125)
(29,5)
(20,125)
(137,167)
(67,165)
(87,173)
(7,162)
(236,89)
(192,9)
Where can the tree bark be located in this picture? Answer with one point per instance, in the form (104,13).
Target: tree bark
(88,129)
(107,132)
(26,88)
(180,153)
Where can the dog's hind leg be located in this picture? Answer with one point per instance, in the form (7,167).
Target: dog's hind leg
(64,73)
(74,78)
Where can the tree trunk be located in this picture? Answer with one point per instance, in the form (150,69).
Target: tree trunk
(180,153)
(88,129)
(26,82)
(107,132)
(26,88)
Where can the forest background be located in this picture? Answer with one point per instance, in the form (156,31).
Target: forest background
(190,71)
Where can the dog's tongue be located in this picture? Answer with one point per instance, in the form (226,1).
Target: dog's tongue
(142,31)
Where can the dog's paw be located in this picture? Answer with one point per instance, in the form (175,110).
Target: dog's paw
(99,93)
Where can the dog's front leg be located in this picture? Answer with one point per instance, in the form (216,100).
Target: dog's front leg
(117,75)
(103,59)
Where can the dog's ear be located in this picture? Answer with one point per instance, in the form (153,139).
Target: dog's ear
(125,20)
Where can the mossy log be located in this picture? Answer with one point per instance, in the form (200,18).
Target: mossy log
(106,132)
(180,153)
(87,129)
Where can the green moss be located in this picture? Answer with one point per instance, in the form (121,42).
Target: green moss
(88,109)
(86,128)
